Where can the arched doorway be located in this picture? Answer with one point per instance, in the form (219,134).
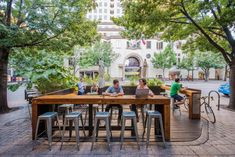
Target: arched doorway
(132,67)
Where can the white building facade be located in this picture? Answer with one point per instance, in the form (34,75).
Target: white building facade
(135,55)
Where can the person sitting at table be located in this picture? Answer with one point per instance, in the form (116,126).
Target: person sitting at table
(94,88)
(115,90)
(81,87)
(142,85)
(175,88)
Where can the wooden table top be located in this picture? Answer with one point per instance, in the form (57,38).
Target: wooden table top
(99,99)
(188,91)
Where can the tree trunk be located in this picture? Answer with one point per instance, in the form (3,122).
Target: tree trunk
(207,75)
(232,86)
(163,74)
(188,76)
(4,53)
(225,72)
(192,74)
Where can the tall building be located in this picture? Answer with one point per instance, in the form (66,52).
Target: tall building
(134,55)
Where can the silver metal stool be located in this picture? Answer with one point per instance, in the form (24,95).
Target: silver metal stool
(129,115)
(82,108)
(153,115)
(174,106)
(65,109)
(114,108)
(48,117)
(73,116)
(106,117)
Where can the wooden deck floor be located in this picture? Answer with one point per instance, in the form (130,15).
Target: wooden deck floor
(183,129)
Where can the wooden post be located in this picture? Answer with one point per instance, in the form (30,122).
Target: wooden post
(166,120)
(34,117)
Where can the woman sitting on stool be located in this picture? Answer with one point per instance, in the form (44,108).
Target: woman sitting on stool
(142,85)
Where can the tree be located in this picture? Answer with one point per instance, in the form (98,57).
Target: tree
(51,25)
(164,60)
(204,24)
(45,70)
(187,64)
(99,51)
(208,60)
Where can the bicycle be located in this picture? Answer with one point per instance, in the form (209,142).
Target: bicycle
(186,102)
(209,111)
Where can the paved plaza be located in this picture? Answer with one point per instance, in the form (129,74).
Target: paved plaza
(215,140)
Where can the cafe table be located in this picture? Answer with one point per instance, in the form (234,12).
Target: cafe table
(45,102)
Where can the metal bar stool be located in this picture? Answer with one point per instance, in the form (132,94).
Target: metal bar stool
(73,116)
(142,110)
(65,109)
(48,117)
(129,115)
(106,117)
(174,106)
(82,108)
(114,108)
(153,115)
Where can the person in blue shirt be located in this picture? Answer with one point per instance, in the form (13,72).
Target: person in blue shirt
(115,90)
(81,87)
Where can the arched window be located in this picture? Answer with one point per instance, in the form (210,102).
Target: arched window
(132,62)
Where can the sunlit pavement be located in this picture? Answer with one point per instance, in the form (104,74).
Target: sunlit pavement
(216,139)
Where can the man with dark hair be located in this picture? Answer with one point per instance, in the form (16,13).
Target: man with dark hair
(115,90)
(175,88)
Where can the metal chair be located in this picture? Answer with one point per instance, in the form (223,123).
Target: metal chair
(132,116)
(48,117)
(149,116)
(101,116)
(74,117)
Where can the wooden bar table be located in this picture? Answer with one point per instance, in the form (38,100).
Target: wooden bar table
(194,96)
(72,98)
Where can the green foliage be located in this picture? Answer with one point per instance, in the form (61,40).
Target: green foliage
(165,59)
(154,82)
(107,77)
(133,80)
(187,63)
(14,87)
(90,81)
(48,24)
(45,70)
(208,60)
(99,51)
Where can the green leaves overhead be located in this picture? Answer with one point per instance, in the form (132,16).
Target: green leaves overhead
(54,24)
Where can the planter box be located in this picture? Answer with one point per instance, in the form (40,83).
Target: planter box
(130,90)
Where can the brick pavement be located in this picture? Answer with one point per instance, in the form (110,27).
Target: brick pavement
(216,140)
